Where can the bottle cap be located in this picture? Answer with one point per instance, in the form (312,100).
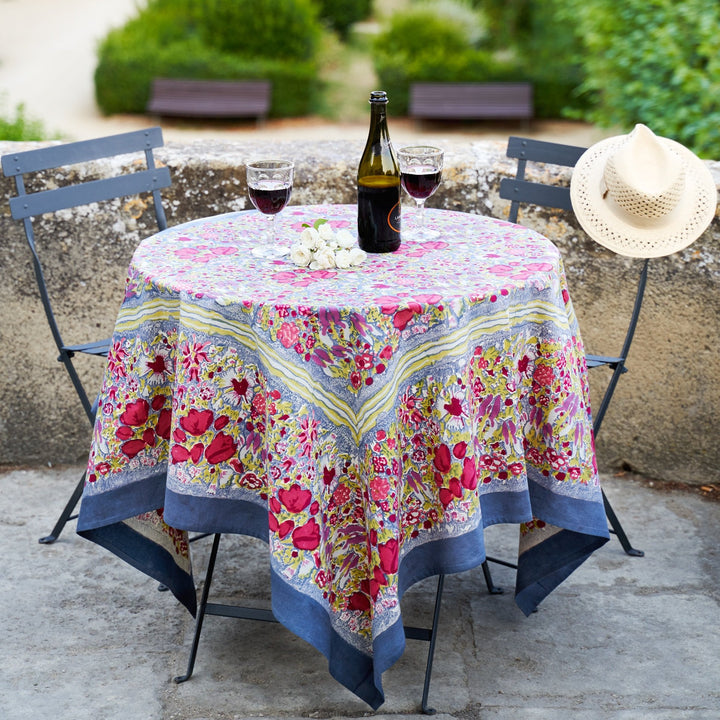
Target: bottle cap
(379,96)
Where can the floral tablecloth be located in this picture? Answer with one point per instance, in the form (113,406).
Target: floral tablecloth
(367,423)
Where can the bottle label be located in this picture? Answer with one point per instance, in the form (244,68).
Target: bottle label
(379,214)
(393,218)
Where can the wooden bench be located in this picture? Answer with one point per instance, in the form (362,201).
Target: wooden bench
(471,101)
(210,98)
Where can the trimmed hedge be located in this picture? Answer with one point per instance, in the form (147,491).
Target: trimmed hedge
(183,39)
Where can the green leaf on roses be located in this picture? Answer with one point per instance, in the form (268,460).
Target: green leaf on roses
(319,222)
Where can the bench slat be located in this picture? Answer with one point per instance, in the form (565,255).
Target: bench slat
(210,98)
(462,101)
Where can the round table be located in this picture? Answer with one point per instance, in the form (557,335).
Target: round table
(367,423)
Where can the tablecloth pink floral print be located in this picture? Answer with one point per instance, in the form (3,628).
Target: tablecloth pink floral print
(367,423)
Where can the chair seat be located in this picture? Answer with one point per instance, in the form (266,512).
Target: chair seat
(605,361)
(100,348)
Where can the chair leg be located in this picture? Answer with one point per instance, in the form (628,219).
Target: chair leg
(66,514)
(164,588)
(617,529)
(492,588)
(431,650)
(201,611)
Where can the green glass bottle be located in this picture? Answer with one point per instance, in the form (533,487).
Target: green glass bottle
(378,184)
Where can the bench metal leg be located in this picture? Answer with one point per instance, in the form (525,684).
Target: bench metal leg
(66,515)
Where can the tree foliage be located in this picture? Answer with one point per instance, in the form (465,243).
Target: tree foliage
(652,61)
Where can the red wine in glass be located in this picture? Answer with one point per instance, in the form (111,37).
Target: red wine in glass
(269,188)
(420,174)
(269,198)
(421,182)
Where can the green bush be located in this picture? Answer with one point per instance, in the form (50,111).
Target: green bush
(212,39)
(17,126)
(547,50)
(340,15)
(655,62)
(272,29)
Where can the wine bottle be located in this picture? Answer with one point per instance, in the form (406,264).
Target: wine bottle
(378,184)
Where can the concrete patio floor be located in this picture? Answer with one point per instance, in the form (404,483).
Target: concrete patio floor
(84,636)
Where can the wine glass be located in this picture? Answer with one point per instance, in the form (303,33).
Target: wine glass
(269,187)
(420,173)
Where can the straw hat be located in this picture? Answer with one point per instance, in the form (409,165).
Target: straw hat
(642,195)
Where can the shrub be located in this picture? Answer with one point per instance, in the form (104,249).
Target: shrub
(655,62)
(200,39)
(17,126)
(271,29)
(545,49)
(340,15)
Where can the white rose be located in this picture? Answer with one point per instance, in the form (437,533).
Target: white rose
(342,259)
(324,258)
(310,238)
(326,232)
(345,239)
(300,254)
(357,256)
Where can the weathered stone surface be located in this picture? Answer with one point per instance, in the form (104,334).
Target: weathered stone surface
(662,421)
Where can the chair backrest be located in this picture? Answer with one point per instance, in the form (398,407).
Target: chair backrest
(521,191)
(80,192)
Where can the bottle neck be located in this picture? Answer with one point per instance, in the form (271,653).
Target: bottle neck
(378,158)
(378,121)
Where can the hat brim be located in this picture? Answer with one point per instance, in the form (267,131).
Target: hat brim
(610,227)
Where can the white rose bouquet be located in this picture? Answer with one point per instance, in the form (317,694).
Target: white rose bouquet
(321,248)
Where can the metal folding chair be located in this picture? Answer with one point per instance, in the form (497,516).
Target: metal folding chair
(28,205)
(521,191)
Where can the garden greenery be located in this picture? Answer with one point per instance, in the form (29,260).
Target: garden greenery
(460,41)
(652,61)
(275,40)
(340,15)
(17,126)
(427,43)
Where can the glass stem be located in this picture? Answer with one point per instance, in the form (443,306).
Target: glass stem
(421,215)
(273,234)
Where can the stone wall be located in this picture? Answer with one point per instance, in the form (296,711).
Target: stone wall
(663,420)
